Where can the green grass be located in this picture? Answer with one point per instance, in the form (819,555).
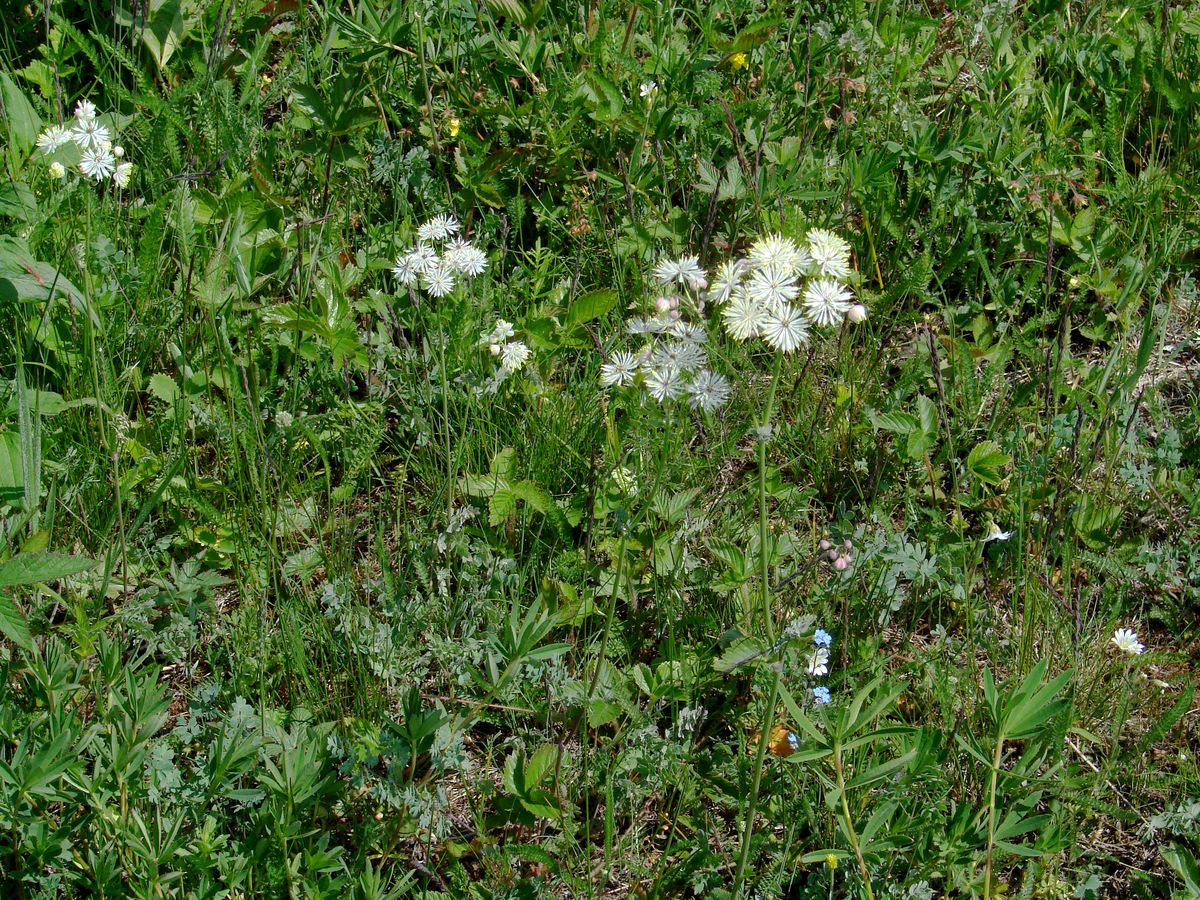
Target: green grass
(297,601)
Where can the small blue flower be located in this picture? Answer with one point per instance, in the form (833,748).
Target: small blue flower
(822,638)
(821,695)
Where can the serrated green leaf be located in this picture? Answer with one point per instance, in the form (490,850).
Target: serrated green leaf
(37,568)
(13,624)
(985,462)
(741,652)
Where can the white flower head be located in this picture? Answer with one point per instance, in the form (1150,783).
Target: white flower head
(664,383)
(743,316)
(830,254)
(772,287)
(121,174)
(784,329)
(90,134)
(708,390)
(1126,640)
(52,138)
(424,257)
(780,252)
(57,170)
(85,110)
(995,534)
(685,270)
(498,335)
(407,269)
(437,280)
(438,228)
(648,89)
(725,282)
(97,163)
(513,356)
(620,370)
(826,301)
(817,662)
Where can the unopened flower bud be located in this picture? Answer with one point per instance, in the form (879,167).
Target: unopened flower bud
(841,563)
(833,555)
(857,314)
(674,301)
(824,545)
(57,170)
(848,544)
(118,151)
(675,314)
(662,304)
(495,349)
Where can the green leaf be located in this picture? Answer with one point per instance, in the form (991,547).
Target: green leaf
(742,651)
(164,387)
(896,422)
(36,568)
(591,306)
(13,624)
(985,462)
(23,123)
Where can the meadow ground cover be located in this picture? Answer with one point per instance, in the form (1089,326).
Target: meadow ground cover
(503,449)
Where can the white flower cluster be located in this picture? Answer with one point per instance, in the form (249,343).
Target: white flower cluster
(782,288)
(674,362)
(511,355)
(438,273)
(98,159)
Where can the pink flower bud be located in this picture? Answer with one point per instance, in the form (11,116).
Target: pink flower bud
(824,545)
(841,563)
(675,314)
(833,555)
(857,314)
(674,301)
(662,304)
(848,544)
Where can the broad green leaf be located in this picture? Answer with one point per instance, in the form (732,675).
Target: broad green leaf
(13,624)
(985,462)
(164,387)
(897,422)
(742,651)
(36,568)
(540,764)
(591,305)
(22,121)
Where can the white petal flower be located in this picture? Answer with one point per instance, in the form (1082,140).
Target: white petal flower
(781,253)
(648,89)
(785,329)
(513,356)
(688,331)
(90,134)
(438,228)
(424,257)
(501,333)
(725,282)
(620,370)
(708,390)
(407,269)
(830,254)
(648,326)
(772,287)
(817,662)
(122,173)
(995,534)
(1127,641)
(664,384)
(97,163)
(57,170)
(470,261)
(85,110)
(52,138)
(743,316)
(683,271)
(826,301)
(679,355)
(437,280)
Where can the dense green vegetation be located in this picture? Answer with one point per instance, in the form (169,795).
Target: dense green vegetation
(588,560)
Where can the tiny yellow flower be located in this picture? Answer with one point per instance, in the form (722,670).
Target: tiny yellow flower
(454,124)
(831,861)
(738,61)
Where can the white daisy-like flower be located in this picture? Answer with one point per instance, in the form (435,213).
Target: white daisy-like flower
(470,261)
(685,270)
(424,257)
(679,355)
(437,280)
(97,163)
(58,170)
(513,356)
(688,331)
(726,281)
(438,228)
(620,370)
(772,287)
(85,110)
(90,134)
(648,89)
(708,390)
(501,333)
(826,301)
(780,252)
(52,138)
(664,384)
(407,269)
(817,662)
(743,316)
(1126,640)
(648,326)
(785,329)
(122,173)
(830,254)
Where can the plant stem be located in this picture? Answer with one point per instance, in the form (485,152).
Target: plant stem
(987,868)
(769,627)
(841,780)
